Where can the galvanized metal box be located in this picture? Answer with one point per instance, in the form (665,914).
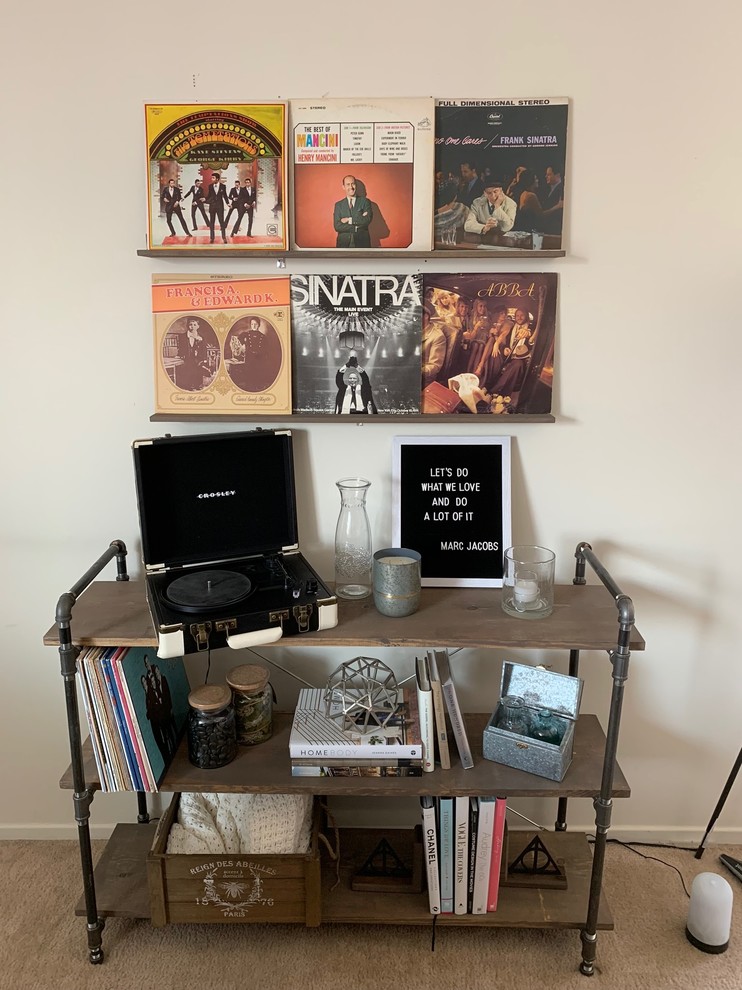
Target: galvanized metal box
(539,688)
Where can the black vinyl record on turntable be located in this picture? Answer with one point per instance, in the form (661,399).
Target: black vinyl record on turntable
(220,542)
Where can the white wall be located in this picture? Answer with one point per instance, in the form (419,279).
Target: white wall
(643,460)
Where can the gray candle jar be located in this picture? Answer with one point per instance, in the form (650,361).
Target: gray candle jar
(396,579)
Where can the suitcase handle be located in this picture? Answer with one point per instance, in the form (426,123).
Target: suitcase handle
(260,637)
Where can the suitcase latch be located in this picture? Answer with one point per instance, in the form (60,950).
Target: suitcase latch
(302,614)
(201,632)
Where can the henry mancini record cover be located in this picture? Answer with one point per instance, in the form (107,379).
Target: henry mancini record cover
(362,173)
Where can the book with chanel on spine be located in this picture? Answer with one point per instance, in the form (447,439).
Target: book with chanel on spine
(430,847)
(454,709)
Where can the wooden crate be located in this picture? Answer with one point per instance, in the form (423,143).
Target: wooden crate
(229,888)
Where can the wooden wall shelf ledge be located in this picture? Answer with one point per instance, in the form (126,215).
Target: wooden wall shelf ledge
(421,419)
(380,254)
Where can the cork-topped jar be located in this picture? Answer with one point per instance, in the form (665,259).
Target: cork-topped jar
(212,735)
(252,698)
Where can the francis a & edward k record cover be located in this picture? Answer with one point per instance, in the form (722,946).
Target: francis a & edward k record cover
(356,344)
(499,174)
(488,343)
(221,344)
(216,176)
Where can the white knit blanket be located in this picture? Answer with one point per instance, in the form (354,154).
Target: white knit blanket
(256,824)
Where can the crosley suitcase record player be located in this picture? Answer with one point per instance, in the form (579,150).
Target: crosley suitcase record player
(220,542)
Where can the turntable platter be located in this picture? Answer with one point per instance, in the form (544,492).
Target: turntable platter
(204,590)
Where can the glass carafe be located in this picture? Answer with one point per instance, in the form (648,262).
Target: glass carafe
(353,540)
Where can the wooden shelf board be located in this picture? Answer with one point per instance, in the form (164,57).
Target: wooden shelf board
(266,769)
(517,908)
(121,889)
(115,613)
(431,420)
(380,254)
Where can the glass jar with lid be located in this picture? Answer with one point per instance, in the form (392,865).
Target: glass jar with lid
(252,698)
(547,727)
(513,715)
(212,735)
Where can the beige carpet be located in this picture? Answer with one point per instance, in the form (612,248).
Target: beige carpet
(43,945)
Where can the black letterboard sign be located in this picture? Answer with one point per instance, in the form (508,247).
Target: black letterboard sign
(451,503)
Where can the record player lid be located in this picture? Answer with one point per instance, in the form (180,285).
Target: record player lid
(215,497)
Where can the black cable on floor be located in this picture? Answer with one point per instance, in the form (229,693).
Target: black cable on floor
(654,845)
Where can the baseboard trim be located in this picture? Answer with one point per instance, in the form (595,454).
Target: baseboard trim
(649,833)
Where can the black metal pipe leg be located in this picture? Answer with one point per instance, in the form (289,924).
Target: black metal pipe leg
(95,924)
(143,813)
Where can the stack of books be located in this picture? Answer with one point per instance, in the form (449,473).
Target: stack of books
(320,745)
(463,839)
(136,707)
(436,696)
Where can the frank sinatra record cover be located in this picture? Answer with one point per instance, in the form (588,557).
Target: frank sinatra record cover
(500,173)
(356,344)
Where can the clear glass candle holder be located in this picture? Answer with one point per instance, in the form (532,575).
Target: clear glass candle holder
(528,582)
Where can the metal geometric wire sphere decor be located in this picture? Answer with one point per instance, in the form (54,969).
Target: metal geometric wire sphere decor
(367,692)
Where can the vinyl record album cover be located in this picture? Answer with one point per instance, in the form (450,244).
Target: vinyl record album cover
(488,343)
(500,174)
(362,173)
(356,344)
(222,344)
(216,176)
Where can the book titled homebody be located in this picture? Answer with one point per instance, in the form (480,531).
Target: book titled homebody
(318,731)
(356,344)
(499,167)
(362,173)
(216,176)
(221,344)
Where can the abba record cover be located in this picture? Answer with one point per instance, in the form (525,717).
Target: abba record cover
(518,149)
(488,339)
(216,176)
(356,344)
(222,344)
(362,173)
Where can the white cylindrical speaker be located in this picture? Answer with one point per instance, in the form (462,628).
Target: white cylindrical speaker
(710,913)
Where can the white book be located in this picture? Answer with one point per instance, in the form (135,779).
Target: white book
(427,717)
(461,854)
(316,734)
(430,846)
(485,826)
(439,709)
(454,710)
